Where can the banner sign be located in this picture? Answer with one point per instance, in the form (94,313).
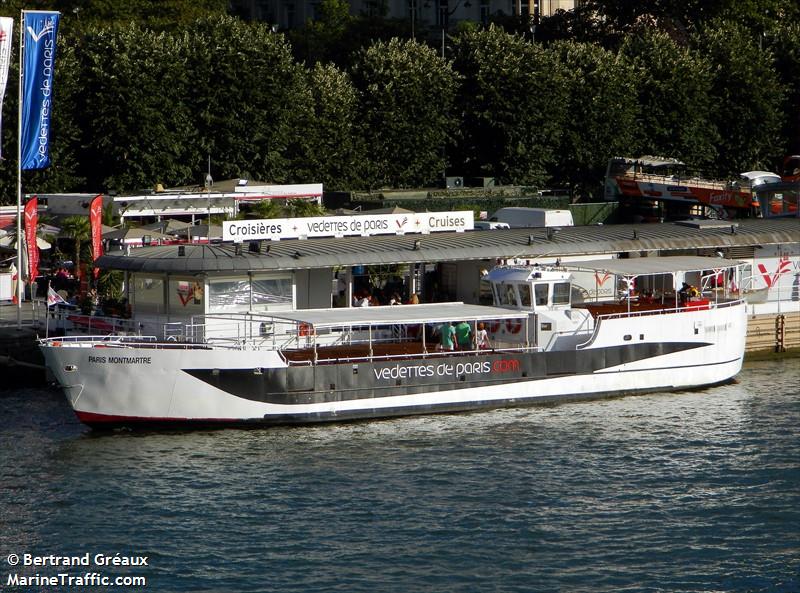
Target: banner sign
(96,225)
(38,62)
(6,30)
(31,222)
(339,226)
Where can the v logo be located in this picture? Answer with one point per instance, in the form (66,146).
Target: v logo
(42,33)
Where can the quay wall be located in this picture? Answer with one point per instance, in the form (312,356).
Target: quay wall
(774,332)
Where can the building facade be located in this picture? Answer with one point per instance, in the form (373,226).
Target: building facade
(437,14)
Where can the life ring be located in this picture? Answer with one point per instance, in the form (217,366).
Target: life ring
(494,326)
(513,326)
(305,329)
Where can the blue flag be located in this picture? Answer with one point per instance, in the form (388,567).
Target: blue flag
(39,57)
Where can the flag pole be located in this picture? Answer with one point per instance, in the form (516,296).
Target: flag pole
(20,289)
(47,312)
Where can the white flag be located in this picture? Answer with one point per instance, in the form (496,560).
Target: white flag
(6,30)
(53,298)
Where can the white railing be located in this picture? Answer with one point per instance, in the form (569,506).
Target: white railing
(688,308)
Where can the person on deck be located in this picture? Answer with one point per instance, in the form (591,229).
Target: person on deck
(463,336)
(447,336)
(482,337)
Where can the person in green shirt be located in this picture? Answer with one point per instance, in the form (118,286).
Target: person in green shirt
(447,335)
(464,336)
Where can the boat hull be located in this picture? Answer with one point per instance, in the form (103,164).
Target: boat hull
(145,386)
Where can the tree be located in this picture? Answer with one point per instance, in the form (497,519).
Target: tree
(138,127)
(78,229)
(407,92)
(673,86)
(65,131)
(329,147)
(244,86)
(512,104)
(747,97)
(325,36)
(784,43)
(90,15)
(604,114)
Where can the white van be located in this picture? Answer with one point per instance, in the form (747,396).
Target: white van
(519,217)
(485,225)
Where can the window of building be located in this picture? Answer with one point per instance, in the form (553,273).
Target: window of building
(485,12)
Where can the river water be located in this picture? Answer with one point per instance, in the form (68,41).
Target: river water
(693,491)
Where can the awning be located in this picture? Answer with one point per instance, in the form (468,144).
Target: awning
(648,266)
(396,315)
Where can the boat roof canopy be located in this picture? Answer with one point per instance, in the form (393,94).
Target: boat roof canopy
(396,315)
(648,266)
(654,161)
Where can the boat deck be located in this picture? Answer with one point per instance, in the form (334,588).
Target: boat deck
(361,352)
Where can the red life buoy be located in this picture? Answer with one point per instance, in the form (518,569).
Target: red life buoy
(305,329)
(513,326)
(494,326)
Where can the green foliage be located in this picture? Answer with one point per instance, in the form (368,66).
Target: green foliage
(145,92)
(140,130)
(748,99)
(328,146)
(674,94)
(243,87)
(784,42)
(603,114)
(89,15)
(325,34)
(266,209)
(109,284)
(301,208)
(512,102)
(407,93)
(78,229)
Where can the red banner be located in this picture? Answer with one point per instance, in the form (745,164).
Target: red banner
(96,223)
(31,221)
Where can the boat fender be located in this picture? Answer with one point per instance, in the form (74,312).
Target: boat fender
(513,326)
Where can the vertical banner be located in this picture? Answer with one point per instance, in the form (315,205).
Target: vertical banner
(96,225)
(38,66)
(31,222)
(6,30)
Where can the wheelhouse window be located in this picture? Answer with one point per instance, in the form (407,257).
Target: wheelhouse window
(561,292)
(525,295)
(507,294)
(540,290)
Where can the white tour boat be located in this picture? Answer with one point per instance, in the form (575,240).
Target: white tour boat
(321,365)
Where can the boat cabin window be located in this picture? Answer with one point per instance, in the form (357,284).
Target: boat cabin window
(259,293)
(541,294)
(525,294)
(272,291)
(147,294)
(561,292)
(186,296)
(508,295)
